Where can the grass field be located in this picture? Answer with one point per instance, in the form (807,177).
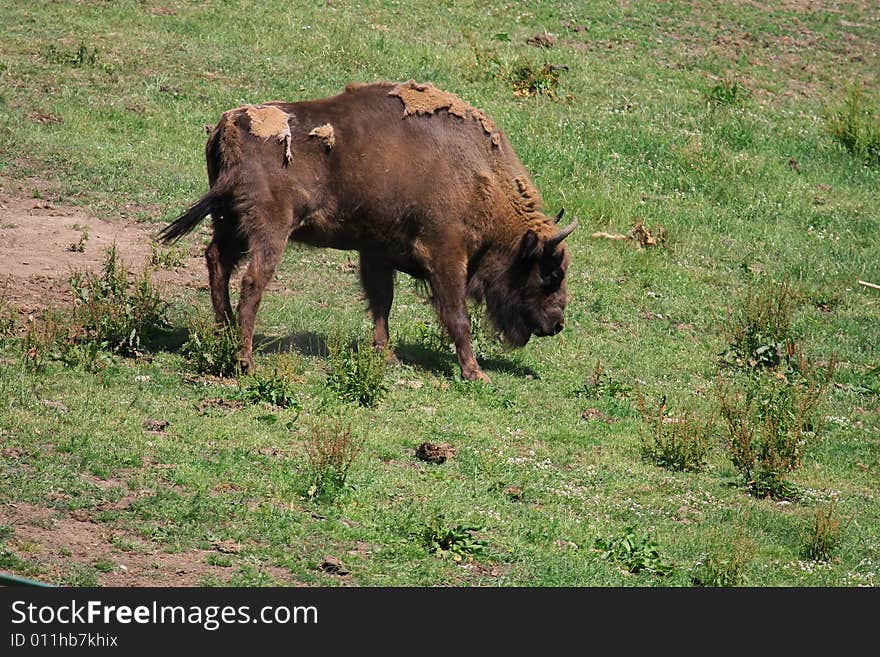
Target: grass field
(720,122)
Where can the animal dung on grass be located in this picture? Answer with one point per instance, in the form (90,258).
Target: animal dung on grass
(155,426)
(545,40)
(333,566)
(411,177)
(435,453)
(644,237)
(596,414)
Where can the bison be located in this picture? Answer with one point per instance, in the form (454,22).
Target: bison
(412,178)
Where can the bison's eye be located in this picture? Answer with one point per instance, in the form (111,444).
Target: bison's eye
(551,280)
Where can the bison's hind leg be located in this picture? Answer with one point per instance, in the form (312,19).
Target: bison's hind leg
(222,256)
(267,247)
(377,277)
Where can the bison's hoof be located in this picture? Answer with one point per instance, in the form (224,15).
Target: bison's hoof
(388,353)
(476,375)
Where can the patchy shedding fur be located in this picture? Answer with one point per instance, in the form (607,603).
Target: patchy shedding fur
(425,98)
(268,121)
(325,133)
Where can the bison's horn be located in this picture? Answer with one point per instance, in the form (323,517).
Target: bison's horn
(554,241)
(559,216)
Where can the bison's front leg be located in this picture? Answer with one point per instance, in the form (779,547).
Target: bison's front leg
(450,301)
(377,278)
(264,259)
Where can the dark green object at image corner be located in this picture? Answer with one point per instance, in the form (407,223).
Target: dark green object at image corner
(14,580)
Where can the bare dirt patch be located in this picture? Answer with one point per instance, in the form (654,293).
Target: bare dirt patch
(56,542)
(40,237)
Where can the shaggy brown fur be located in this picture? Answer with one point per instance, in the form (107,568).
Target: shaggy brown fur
(413,178)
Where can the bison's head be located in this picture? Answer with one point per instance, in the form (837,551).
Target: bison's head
(529,296)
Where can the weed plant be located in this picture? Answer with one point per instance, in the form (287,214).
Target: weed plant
(331,451)
(677,442)
(357,372)
(113,311)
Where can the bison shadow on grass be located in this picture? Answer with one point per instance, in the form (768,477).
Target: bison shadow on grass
(309,343)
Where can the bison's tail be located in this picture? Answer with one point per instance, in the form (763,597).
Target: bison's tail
(211,203)
(189,219)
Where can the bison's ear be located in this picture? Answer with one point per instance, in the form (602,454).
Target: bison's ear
(529,246)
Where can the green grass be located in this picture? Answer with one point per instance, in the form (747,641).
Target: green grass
(685,115)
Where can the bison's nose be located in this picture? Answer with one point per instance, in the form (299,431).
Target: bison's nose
(556,329)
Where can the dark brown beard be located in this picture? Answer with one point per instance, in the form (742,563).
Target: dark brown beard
(518,337)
